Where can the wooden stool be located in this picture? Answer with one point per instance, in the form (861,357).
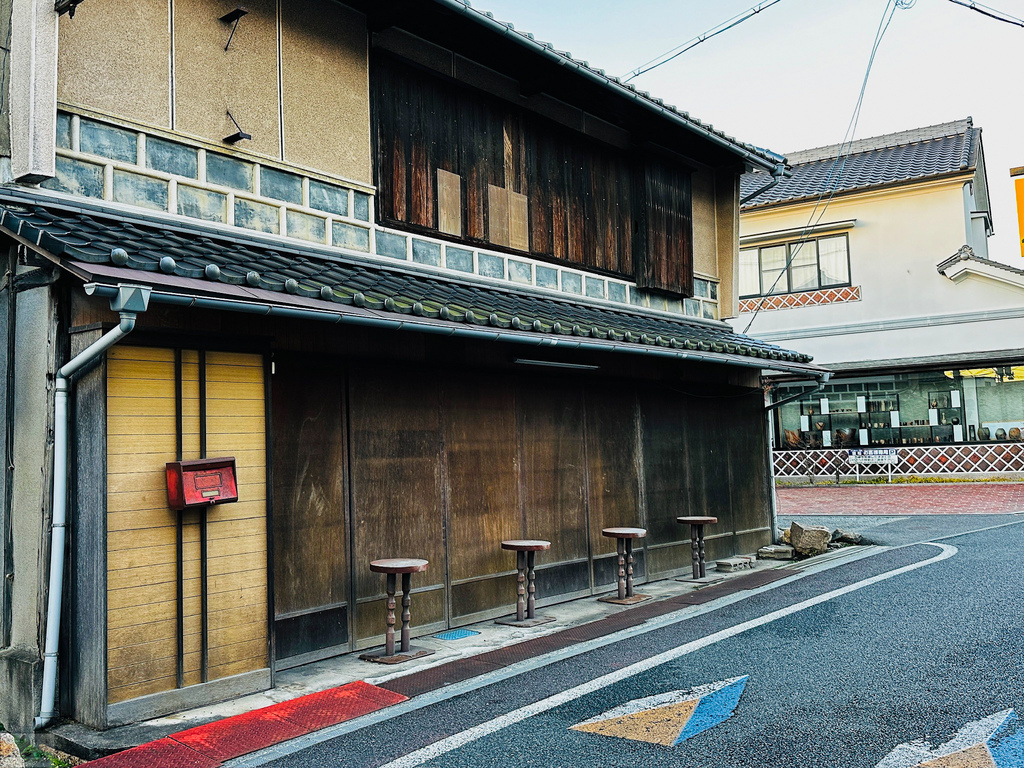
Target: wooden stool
(697,541)
(526,603)
(624,545)
(392,567)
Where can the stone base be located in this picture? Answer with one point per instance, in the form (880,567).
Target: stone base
(636,598)
(378,657)
(704,581)
(21,677)
(536,621)
(776,552)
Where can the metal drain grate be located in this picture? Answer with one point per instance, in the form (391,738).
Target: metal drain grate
(455,634)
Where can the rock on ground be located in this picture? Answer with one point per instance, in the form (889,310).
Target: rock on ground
(810,540)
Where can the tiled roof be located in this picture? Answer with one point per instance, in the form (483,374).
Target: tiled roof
(966,253)
(209,263)
(894,158)
(771,158)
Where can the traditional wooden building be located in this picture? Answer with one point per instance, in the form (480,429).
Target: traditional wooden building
(430,282)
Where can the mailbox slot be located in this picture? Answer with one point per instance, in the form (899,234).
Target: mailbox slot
(201,482)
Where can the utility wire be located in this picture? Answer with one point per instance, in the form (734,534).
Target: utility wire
(992,13)
(835,173)
(679,50)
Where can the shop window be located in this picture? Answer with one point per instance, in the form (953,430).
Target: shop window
(804,265)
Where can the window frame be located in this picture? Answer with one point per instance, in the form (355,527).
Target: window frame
(789,244)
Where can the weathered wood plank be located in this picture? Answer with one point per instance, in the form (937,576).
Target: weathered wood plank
(497,215)
(449,202)
(519,221)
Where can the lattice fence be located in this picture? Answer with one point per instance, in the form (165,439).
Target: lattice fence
(922,460)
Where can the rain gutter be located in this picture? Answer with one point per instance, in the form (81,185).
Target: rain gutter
(778,173)
(275,310)
(127,301)
(822,379)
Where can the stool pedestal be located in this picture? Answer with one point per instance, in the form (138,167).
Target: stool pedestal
(624,544)
(526,587)
(697,524)
(405,651)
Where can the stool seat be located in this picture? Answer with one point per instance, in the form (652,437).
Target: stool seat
(526,545)
(624,533)
(399,565)
(697,520)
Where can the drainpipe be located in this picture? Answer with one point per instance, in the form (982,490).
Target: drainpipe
(778,173)
(822,380)
(129,301)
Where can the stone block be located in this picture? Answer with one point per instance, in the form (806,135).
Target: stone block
(809,540)
(776,552)
(730,564)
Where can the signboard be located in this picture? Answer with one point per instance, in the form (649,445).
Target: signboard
(888,457)
(872,456)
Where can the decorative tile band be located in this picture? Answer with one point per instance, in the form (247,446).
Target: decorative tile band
(803,299)
(126,166)
(924,460)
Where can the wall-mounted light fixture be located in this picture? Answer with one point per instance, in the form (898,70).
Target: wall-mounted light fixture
(239,135)
(231,17)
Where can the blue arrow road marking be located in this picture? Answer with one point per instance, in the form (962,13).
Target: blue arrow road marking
(713,709)
(1007,743)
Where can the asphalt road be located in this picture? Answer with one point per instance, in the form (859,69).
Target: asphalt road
(833,679)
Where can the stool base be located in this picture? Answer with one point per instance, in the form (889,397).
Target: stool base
(636,598)
(414,652)
(536,621)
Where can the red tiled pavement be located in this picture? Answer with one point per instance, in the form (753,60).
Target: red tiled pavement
(899,499)
(208,746)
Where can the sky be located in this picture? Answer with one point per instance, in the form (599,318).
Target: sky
(788,78)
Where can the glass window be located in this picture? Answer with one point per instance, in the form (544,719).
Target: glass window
(803,265)
(773,269)
(800,266)
(749,283)
(834,261)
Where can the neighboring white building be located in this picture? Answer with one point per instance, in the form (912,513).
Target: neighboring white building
(887,281)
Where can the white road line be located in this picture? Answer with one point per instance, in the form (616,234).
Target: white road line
(263,756)
(455,741)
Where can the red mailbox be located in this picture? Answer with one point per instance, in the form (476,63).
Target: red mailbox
(201,482)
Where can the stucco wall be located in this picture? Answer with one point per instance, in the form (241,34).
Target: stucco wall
(5,79)
(899,238)
(294,76)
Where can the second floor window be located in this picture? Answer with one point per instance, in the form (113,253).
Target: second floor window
(806,265)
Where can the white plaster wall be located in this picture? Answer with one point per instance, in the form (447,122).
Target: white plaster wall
(899,238)
(959,338)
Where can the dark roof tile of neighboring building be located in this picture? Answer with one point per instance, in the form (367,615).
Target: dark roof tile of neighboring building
(895,158)
(220,261)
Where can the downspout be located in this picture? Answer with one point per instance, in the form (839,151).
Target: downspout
(778,173)
(129,301)
(822,380)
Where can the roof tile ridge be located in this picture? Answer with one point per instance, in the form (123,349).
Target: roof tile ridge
(883,141)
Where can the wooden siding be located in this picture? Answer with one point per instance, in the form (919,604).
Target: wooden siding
(528,184)
(142,643)
(666,262)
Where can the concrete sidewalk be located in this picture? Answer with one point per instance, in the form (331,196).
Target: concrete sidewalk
(329,692)
(902,499)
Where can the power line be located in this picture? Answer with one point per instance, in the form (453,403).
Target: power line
(833,178)
(992,13)
(679,50)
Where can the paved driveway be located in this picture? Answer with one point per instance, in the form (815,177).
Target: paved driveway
(911,499)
